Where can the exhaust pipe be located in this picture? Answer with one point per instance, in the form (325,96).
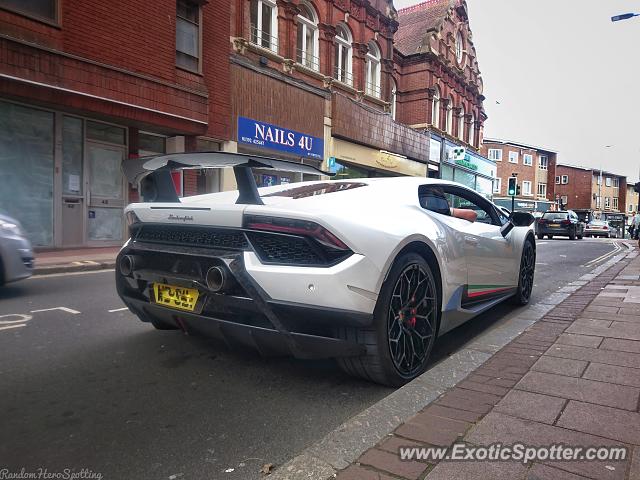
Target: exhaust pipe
(216,279)
(126,265)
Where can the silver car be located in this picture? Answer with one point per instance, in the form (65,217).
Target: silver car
(16,255)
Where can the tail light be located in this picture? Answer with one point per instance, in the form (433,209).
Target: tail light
(565,222)
(542,221)
(605,228)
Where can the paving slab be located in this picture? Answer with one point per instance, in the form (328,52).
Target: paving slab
(607,422)
(531,406)
(613,374)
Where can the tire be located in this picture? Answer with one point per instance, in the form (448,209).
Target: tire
(525,274)
(580,237)
(540,237)
(550,237)
(385,362)
(572,236)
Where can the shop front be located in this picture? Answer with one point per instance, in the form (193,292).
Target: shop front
(350,160)
(473,171)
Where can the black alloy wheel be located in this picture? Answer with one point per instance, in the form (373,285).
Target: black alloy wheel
(527,273)
(411,321)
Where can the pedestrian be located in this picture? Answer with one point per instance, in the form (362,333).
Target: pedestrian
(636,226)
(631,228)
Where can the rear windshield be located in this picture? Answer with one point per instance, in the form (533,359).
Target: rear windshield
(597,222)
(316,189)
(555,216)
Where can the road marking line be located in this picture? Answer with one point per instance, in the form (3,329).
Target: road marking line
(23,318)
(64,309)
(13,326)
(603,257)
(118,310)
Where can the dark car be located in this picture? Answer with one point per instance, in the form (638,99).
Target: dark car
(565,224)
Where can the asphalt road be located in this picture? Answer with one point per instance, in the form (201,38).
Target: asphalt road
(88,387)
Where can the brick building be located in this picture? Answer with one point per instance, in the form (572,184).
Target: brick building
(535,168)
(591,191)
(322,74)
(633,200)
(440,87)
(84,85)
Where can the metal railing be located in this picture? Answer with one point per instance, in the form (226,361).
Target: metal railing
(373,90)
(343,76)
(264,39)
(307,59)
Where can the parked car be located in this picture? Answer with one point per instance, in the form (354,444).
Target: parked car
(369,271)
(16,255)
(563,224)
(600,228)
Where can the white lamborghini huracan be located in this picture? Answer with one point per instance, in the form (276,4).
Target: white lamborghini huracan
(369,271)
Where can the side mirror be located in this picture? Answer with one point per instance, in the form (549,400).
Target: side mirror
(517,219)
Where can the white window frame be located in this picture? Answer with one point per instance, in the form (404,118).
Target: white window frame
(607,203)
(435,108)
(495,154)
(273,40)
(472,130)
(526,188)
(542,190)
(198,40)
(309,57)
(565,179)
(461,123)
(513,156)
(374,58)
(449,125)
(527,159)
(344,48)
(557,179)
(616,182)
(394,98)
(497,185)
(607,181)
(615,203)
(459,48)
(543,162)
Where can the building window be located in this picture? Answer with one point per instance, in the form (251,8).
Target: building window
(513,156)
(616,182)
(615,203)
(598,180)
(373,70)
(543,162)
(598,202)
(495,154)
(526,188)
(497,185)
(630,208)
(449,125)
(264,24)
(607,202)
(558,180)
(472,131)
(307,46)
(344,61)
(41,9)
(564,199)
(565,179)
(527,159)
(461,123)
(542,190)
(188,35)
(394,98)
(435,108)
(607,181)
(459,48)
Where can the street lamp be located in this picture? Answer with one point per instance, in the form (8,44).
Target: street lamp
(624,16)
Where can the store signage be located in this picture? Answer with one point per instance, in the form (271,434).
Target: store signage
(389,160)
(265,135)
(466,163)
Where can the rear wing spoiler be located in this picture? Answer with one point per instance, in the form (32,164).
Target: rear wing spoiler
(156,184)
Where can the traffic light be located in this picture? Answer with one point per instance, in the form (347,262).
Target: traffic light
(513,187)
(518,191)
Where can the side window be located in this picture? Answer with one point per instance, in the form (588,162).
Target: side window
(463,200)
(433,198)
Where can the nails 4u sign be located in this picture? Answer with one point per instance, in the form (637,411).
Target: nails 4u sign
(265,135)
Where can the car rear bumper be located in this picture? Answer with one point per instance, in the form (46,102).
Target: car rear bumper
(560,231)
(245,313)
(17,258)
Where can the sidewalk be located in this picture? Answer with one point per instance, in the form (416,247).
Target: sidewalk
(573,378)
(75,260)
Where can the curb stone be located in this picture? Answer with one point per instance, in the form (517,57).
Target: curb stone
(72,267)
(341,447)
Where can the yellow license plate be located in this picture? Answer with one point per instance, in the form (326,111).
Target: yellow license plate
(175,297)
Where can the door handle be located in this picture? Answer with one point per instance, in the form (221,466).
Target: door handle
(471,240)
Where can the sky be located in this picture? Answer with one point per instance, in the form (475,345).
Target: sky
(559,74)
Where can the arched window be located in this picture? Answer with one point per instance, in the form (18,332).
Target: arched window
(449,125)
(373,71)
(461,123)
(344,59)
(472,128)
(307,48)
(435,108)
(264,24)
(459,48)
(393,99)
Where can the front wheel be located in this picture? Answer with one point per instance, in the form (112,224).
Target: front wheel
(405,325)
(540,237)
(526,274)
